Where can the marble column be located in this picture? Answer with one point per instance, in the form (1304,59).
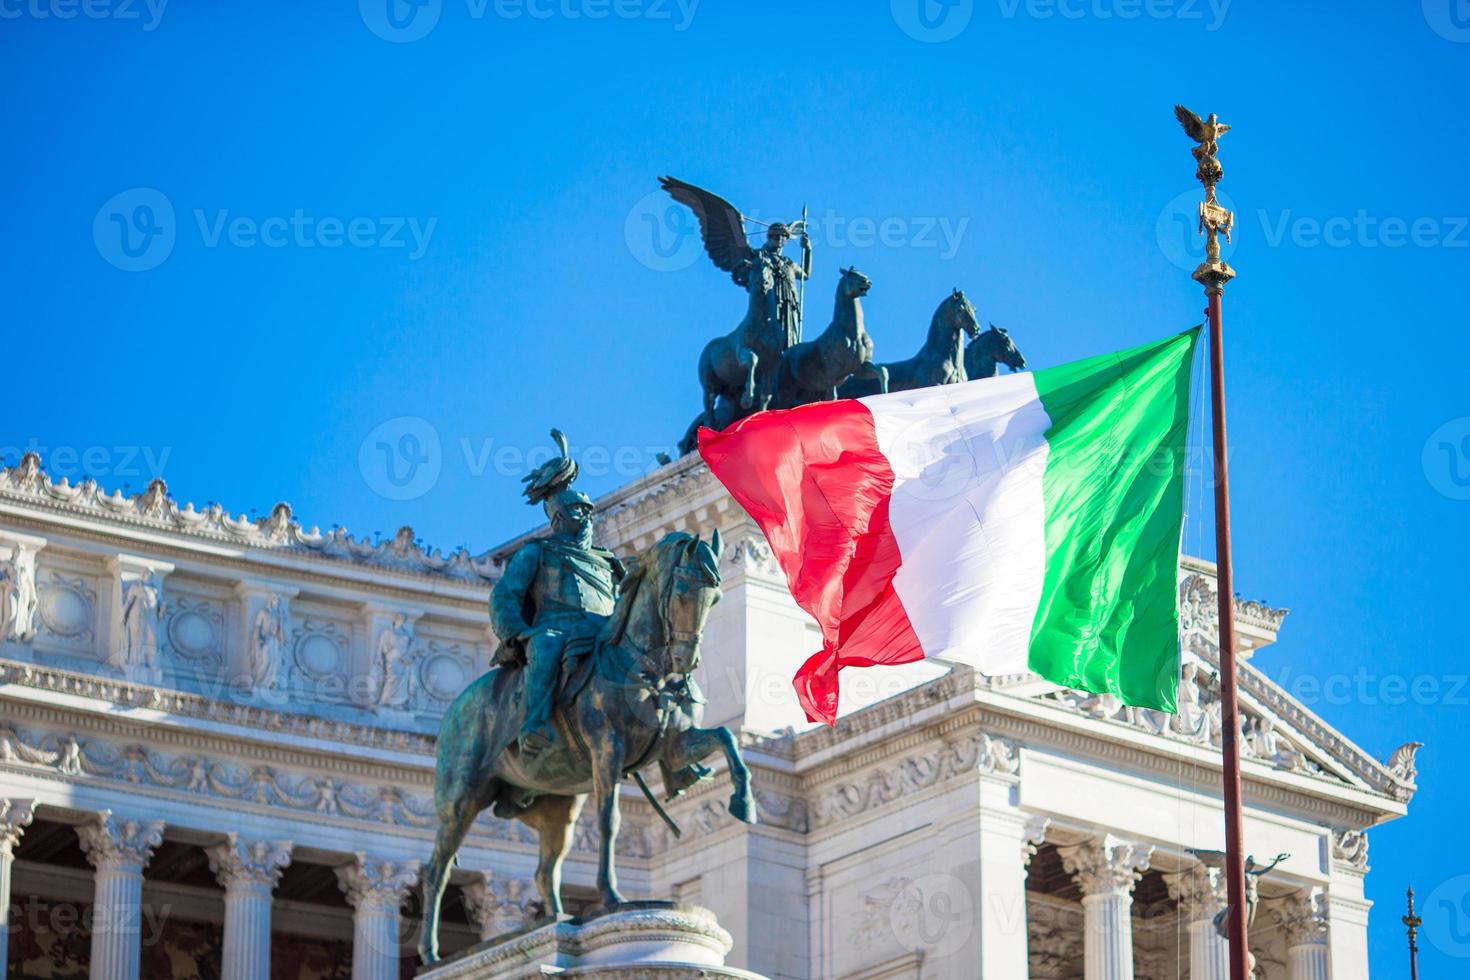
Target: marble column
(1201,894)
(15,816)
(118,849)
(249,871)
(1303,919)
(376,889)
(1106,869)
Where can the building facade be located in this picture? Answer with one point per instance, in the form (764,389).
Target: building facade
(216,758)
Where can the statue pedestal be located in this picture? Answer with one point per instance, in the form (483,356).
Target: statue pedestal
(639,941)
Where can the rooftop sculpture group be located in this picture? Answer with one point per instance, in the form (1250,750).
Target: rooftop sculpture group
(763,363)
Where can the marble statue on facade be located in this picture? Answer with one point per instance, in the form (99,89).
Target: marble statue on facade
(268,644)
(142,610)
(392,673)
(18,595)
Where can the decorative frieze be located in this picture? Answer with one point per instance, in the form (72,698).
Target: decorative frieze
(66,612)
(213,709)
(978,752)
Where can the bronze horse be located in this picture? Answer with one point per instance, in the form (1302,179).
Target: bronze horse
(811,371)
(940,361)
(624,706)
(740,367)
(989,351)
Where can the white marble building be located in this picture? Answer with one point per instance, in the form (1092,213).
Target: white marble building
(216,746)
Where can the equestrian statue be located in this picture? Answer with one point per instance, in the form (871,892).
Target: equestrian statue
(593,682)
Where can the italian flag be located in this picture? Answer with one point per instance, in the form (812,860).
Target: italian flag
(1025,522)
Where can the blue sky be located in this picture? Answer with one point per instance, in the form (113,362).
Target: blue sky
(338,226)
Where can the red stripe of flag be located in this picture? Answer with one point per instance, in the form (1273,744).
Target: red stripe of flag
(816,482)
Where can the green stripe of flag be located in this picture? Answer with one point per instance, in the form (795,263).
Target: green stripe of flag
(1108,619)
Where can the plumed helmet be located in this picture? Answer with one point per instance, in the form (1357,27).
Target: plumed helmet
(553,476)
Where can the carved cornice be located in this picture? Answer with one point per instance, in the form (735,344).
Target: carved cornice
(977,753)
(28,484)
(182,703)
(111,842)
(1199,624)
(241,863)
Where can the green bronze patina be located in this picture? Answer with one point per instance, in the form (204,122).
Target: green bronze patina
(811,371)
(987,352)
(594,682)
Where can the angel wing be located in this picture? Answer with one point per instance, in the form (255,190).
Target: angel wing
(720,224)
(1193,124)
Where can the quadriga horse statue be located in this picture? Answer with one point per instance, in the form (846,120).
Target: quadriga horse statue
(626,707)
(988,351)
(940,361)
(811,371)
(740,367)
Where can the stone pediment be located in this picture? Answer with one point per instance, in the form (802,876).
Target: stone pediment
(1277,730)
(29,485)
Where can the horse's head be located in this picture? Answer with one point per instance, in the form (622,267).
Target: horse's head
(1000,346)
(680,579)
(957,315)
(853,284)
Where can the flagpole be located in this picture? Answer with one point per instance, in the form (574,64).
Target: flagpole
(1213,273)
